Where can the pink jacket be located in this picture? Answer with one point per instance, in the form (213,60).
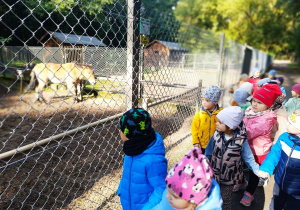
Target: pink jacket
(259,131)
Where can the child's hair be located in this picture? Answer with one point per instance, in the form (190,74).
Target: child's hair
(191,177)
(231,116)
(244,77)
(212,93)
(240,96)
(294,119)
(267,94)
(296,88)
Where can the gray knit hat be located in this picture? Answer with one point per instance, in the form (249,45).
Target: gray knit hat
(240,96)
(212,93)
(263,81)
(231,116)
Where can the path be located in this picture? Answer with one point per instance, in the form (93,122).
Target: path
(263,195)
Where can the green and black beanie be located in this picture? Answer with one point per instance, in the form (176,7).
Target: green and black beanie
(135,123)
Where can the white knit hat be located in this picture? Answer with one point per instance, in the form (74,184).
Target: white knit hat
(247,86)
(231,116)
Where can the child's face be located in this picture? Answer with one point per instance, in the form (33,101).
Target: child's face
(258,106)
(292,129)
(208,104)
(271,76)
(221,127)
(294,94)
(123,137)
(178,203)
(256,74)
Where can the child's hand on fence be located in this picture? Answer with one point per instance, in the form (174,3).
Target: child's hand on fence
(264,175)
(197,145)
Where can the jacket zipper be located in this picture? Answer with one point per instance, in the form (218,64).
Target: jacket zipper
(286,166)
(209,127)
(130,182)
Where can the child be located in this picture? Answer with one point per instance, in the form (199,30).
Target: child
(285,153)
(145,165)
(240,97)
(254,79)
(249,88)
(259,121)
(293,103)
(272,74)
(204,122)
(190,185)
(243,78)
(227,149)
(280,82)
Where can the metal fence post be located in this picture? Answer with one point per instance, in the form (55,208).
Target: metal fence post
(198,104)
(221,59)
(133,44)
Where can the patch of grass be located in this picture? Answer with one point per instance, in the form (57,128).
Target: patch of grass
(294,65)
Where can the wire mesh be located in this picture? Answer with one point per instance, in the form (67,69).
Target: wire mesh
(65,152)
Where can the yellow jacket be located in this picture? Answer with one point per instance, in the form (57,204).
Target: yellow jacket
(203,126)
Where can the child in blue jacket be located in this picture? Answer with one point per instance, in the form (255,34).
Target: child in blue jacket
(145,165)
(285,153)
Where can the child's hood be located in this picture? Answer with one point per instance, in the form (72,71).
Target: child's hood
(157,147)
(214,201)
(241,132)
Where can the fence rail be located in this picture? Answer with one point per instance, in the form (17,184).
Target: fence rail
(64,154)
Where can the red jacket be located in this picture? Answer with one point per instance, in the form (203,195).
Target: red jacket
(254,82)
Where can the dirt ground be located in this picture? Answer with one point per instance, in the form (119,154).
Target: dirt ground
(51,176)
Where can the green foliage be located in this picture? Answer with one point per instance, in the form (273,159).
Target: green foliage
(269,25)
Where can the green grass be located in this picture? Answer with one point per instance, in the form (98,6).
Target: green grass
(294,65)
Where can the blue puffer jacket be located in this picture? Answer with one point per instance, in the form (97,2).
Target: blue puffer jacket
(214,201)
(286,151)
(143,180)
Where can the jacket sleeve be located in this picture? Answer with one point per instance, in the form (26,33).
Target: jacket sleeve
(261,127)
(209,148)
(156,175)
(248,158)
(289,105)
(283,92)
(272,158)
(195,128)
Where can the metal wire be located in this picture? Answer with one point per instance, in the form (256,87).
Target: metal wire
(163,76)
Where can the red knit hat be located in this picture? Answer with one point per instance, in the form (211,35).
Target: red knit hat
(267,94)
(296,88)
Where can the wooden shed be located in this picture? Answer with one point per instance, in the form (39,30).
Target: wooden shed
(72,46)
(163,54)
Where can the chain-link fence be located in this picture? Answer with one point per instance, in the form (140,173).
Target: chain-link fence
(60,148)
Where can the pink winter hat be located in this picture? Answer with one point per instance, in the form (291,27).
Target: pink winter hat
(191,177)
(296,88)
